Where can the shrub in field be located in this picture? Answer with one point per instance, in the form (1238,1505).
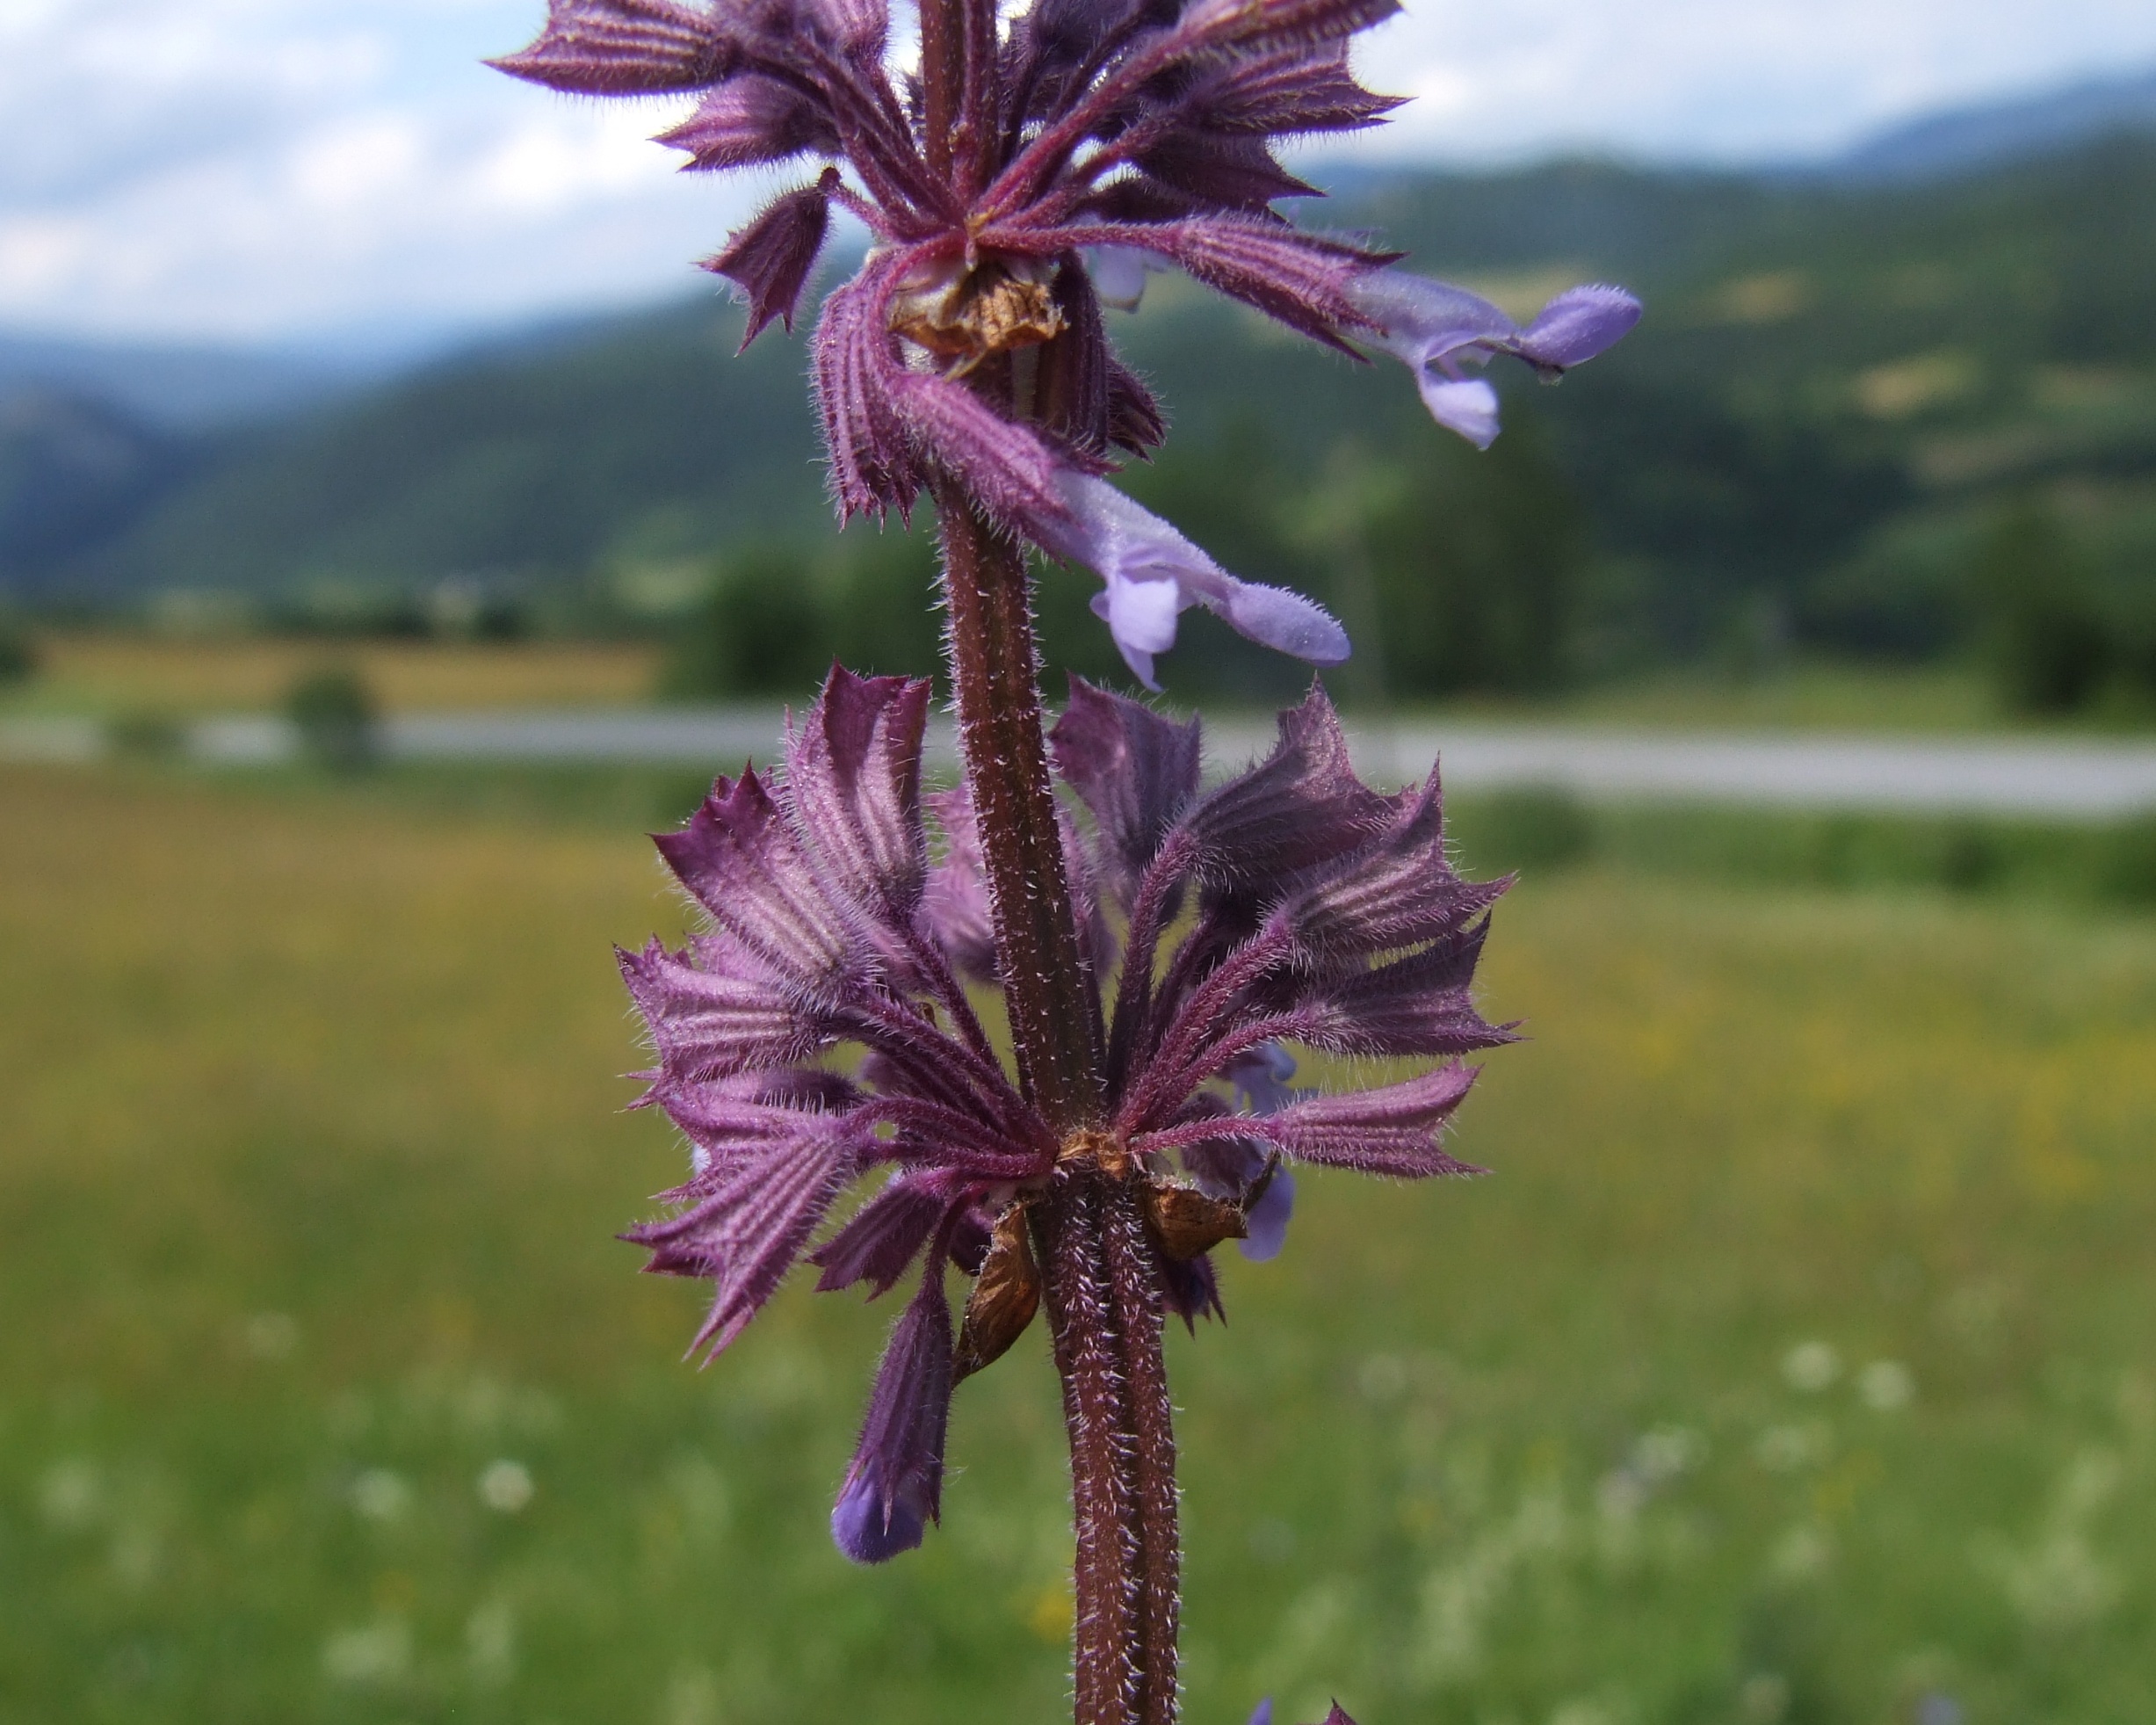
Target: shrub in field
(762,630)
(2047,643)
(336,717)
(18,653)
(1540,826)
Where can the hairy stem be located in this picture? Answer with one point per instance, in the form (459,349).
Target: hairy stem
(1104,1317)
(1047,984)
(1103,1301)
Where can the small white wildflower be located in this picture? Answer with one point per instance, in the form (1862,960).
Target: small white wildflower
(72,1497)
(490,1644)
(1811,1366)
(380,1494)
(1668,1451)
(1885,1386)
(1784,1449)
(376,1653)
(270,1335)
(506,1486)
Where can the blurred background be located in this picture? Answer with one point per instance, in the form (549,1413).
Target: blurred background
(388,538)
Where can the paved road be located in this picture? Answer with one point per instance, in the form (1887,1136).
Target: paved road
(2075,780)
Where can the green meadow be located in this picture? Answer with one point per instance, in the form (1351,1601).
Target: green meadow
(1796,1362)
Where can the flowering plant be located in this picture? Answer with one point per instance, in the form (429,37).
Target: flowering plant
(1154,958)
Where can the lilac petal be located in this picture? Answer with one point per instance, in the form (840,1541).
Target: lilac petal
(1422,321)
(856,370)
(1337,1716)
(624,48)
(1259,1078)
(744,863)
(1140,615)
(1432,326)
(1287,622)
(1465,405)
(749,120)
(1152,573)
(884,1237)
(1224,1168)
(1134,769)
(853,779)
(748,1227)
(771,258)
(1118,273)
(1576,325)
(1263,1715)
(1268,1219)
(894,1488)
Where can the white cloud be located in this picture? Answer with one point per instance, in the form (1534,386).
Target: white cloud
(1710,79)
(266,169)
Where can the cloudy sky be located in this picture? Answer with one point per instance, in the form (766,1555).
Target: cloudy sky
(287,170)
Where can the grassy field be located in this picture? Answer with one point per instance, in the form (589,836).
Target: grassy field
(1797,1364)
(109,672)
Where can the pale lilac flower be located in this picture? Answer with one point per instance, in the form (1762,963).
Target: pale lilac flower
(1118,273)
(1153,575)
(1435,329)
(1324,914)
(1264,1715)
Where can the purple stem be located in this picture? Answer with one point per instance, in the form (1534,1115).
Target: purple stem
(1103,1302)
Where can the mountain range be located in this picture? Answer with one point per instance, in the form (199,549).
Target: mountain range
(1842,379)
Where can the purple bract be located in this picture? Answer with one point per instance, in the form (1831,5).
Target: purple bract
(1320,913)
(1067,150)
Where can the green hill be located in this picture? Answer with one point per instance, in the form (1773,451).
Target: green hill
(1838,394)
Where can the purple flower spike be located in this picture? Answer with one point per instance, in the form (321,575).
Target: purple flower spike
(1324,914)
(1154,575)
(1435,328)
(894,1488)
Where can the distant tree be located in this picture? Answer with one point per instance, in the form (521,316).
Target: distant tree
(18,653)
(764,630)
(2041,630)
(337,718)
(883,606)
(1475,561)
